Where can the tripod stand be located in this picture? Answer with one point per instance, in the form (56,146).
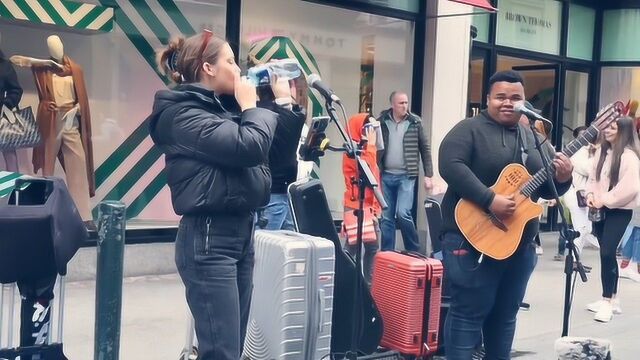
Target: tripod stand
(567,232)
(365,180)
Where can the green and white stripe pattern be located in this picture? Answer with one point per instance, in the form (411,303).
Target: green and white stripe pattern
(7,182)
(281,47)
(59,12)
(133,173)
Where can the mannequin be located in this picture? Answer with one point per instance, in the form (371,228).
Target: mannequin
(10,95)
(65,123)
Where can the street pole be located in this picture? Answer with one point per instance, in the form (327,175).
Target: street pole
(111,233)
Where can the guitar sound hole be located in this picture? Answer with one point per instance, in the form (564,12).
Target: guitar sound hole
(514,179)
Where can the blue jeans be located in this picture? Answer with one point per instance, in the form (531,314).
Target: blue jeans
(217,272)
(485,298)
(278,213)
(631,247)
(398,191)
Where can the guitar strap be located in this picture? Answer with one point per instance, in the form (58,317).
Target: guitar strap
(524,147)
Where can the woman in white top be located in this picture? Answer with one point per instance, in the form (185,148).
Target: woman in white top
(582,162)
(613,188)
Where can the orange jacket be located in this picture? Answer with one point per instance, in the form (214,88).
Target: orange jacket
(350,169)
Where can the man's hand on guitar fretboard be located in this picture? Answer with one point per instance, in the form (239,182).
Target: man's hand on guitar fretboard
(563,167)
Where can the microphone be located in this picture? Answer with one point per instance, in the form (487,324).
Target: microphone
(532,115)
(316,83)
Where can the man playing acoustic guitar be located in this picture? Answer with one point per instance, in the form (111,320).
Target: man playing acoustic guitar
(486,293)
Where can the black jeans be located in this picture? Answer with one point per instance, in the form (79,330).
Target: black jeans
(485,298)
(609,233)
(215,258)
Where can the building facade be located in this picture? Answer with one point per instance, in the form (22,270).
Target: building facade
(574,53)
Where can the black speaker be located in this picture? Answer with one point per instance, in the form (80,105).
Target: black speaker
(40,230)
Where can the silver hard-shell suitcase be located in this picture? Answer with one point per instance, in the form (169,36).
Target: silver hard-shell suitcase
(291,307)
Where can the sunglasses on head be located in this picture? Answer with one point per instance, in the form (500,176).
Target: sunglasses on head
(206,36)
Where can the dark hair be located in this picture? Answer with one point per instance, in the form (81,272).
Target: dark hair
(183,58)
(577,131)
(509,76)
(626,138)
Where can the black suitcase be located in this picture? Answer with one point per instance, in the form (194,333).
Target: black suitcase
(434,221)
(312,216)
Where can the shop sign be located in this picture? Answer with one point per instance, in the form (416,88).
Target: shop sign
(530,25)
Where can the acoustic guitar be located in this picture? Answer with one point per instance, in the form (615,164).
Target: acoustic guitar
(499,238)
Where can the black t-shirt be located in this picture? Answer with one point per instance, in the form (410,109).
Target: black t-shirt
(283,161)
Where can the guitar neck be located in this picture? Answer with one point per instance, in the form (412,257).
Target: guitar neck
(586,138)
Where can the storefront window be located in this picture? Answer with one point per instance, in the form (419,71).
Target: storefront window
(530,25)
(362,57)
(406,5)
(576,93)
(581,29)
(620,29)
(476,83)
(121,79)
(619,83)
(481,22)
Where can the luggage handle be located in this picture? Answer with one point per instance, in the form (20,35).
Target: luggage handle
(321,311)
(414,254)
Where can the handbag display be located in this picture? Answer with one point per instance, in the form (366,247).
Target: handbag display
(18,129)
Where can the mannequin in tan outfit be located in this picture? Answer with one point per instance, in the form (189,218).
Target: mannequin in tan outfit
(65,123)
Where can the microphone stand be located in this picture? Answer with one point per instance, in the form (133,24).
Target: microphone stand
(365,180)
(566,232)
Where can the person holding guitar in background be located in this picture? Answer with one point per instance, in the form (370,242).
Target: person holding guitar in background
(613,192)
(486,293)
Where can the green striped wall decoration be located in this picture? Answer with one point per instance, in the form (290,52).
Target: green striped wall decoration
(7,182)
(141,22)
(60,13)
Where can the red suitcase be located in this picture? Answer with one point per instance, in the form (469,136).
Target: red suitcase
(407,289)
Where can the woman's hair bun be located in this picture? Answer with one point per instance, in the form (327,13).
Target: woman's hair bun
(168,60)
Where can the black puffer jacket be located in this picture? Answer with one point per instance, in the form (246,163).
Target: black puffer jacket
(10,90)
(215,155)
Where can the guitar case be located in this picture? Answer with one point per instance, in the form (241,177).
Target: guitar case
(312,216)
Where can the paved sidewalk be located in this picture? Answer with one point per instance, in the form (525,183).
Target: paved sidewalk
(542,325)
(154,314)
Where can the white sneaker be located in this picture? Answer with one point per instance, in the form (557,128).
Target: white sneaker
(595,306)
(539,250)
(605,314)
(629,273)
(617,308)
(623,271)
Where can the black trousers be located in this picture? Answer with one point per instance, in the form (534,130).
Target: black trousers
(215,258)
(609,233)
